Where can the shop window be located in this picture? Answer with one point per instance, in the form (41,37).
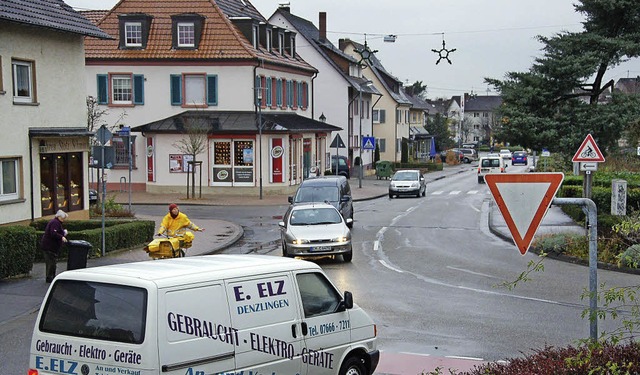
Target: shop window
(23,73)
(61,182)
(10,178)
(243,153)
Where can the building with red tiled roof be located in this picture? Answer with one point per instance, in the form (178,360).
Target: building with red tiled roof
(215,63)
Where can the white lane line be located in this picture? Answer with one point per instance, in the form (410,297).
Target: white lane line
(472,192)
(376,245)
(381,231)
(476,209)
(471,272)
(455,192)
(420,354)
(437,192)
(411,209)
(389,267)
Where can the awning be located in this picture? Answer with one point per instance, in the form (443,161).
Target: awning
(59,132)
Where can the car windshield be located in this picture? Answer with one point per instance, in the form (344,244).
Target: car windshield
(405,176)
(315,216)
(317,194)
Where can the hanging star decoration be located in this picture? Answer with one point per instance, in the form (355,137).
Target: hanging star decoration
(443,53)
(365,53)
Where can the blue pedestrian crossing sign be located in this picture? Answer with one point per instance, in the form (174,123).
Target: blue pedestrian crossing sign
(368,143)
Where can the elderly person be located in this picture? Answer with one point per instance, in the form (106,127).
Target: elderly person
(175,223)
(52,240)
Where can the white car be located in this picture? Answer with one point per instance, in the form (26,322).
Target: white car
(314,229)
(407,182)
(505,153)
(490,164)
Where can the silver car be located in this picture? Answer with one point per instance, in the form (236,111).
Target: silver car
(407,182)
(315,229)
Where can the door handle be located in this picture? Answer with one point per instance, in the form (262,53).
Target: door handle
(305,330)
(293,331)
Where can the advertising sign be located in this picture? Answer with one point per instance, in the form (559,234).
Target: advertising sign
(277,151)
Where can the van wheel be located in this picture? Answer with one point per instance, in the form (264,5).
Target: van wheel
(390,196)
(347,256)
(352,366)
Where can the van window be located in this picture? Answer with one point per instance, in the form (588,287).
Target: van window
(319,297)
(317,194)
(96,310)
(487,163)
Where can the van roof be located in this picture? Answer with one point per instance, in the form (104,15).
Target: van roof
(179,271)
(323,181)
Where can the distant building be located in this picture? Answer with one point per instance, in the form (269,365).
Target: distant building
(480,117)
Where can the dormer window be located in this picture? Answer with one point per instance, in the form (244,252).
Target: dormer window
(292,45)
(134,30)
(133,34)
(186,34)
(281,43)
(254,36)
(186,30)
(268,40)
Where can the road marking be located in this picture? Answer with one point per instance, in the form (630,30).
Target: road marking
(455,192)
(389,267)
(437,192)
(420,354)
(376,245)
(411,209)
(459,357)
(472,192)
(471,272)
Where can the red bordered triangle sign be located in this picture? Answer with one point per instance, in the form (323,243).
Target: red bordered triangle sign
(523,200)
(588,151)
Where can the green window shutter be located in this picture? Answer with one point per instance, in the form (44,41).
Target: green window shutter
(279,92)
(138,89)
(103,89)
(268,93)
(212,89)
(176,89)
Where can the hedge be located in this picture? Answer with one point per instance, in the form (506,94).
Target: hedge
(17,250)
(20,245)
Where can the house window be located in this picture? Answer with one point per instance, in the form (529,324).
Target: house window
(9,178)
(382,144)
(268,41)
(281,43)
(194,89)
(23,81)
(121,151)
(1,86)
(133,34)
(254,40)
(379,116)
(121,90)
(279,92)
(476,114)
(186,34)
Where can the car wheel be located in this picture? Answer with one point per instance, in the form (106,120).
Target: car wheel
(467,160)
(480,180)
(352,366)
(390,196)
(424,192)
(418,194)
(347,256)
(284,251)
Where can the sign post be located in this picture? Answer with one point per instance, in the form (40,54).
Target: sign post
(337,143)
(588,155)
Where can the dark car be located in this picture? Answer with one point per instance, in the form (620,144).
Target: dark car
(453,151)
(93,196)
(343,166)
(334,190)
(519,157)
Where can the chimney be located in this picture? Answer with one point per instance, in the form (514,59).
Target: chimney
(285,7)
(323,26)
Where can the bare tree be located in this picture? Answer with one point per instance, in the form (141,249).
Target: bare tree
(193,144)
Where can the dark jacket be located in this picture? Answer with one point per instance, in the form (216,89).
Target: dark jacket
(52,238)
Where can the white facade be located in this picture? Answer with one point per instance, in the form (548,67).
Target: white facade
(58,87)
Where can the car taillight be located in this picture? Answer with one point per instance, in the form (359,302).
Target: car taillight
(32,372)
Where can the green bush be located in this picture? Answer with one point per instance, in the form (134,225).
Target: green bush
(562,243)
(17,250)
(631,257)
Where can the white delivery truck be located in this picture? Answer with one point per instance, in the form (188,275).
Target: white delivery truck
(216,314)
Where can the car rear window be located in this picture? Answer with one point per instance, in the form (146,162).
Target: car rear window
(96,310)
(317,194)
(491,163)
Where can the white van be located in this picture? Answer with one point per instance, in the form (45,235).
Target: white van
(216,314)
(492,163)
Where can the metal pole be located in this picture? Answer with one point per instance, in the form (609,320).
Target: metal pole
(104,194)
(130,168)
(592,214)
(260,132)
(360,137)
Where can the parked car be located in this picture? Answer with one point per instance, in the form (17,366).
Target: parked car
(519,157)
(505,153)
(490,164)
(334,190)
(454,151)
(344,168)
(313,229)
(469,154)
(407,182)
(93,196)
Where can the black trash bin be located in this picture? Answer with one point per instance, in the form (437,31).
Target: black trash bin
(78,253)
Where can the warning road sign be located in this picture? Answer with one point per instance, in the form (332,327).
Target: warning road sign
(588,151)
(368,143)
(523,200)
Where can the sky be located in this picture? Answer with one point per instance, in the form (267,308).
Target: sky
(490,37)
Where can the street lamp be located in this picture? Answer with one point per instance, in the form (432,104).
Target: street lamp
(259,97)
(360,110)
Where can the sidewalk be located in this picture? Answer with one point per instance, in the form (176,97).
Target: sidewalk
(23,296)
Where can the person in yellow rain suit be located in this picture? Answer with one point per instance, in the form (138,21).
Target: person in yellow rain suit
(175,224)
